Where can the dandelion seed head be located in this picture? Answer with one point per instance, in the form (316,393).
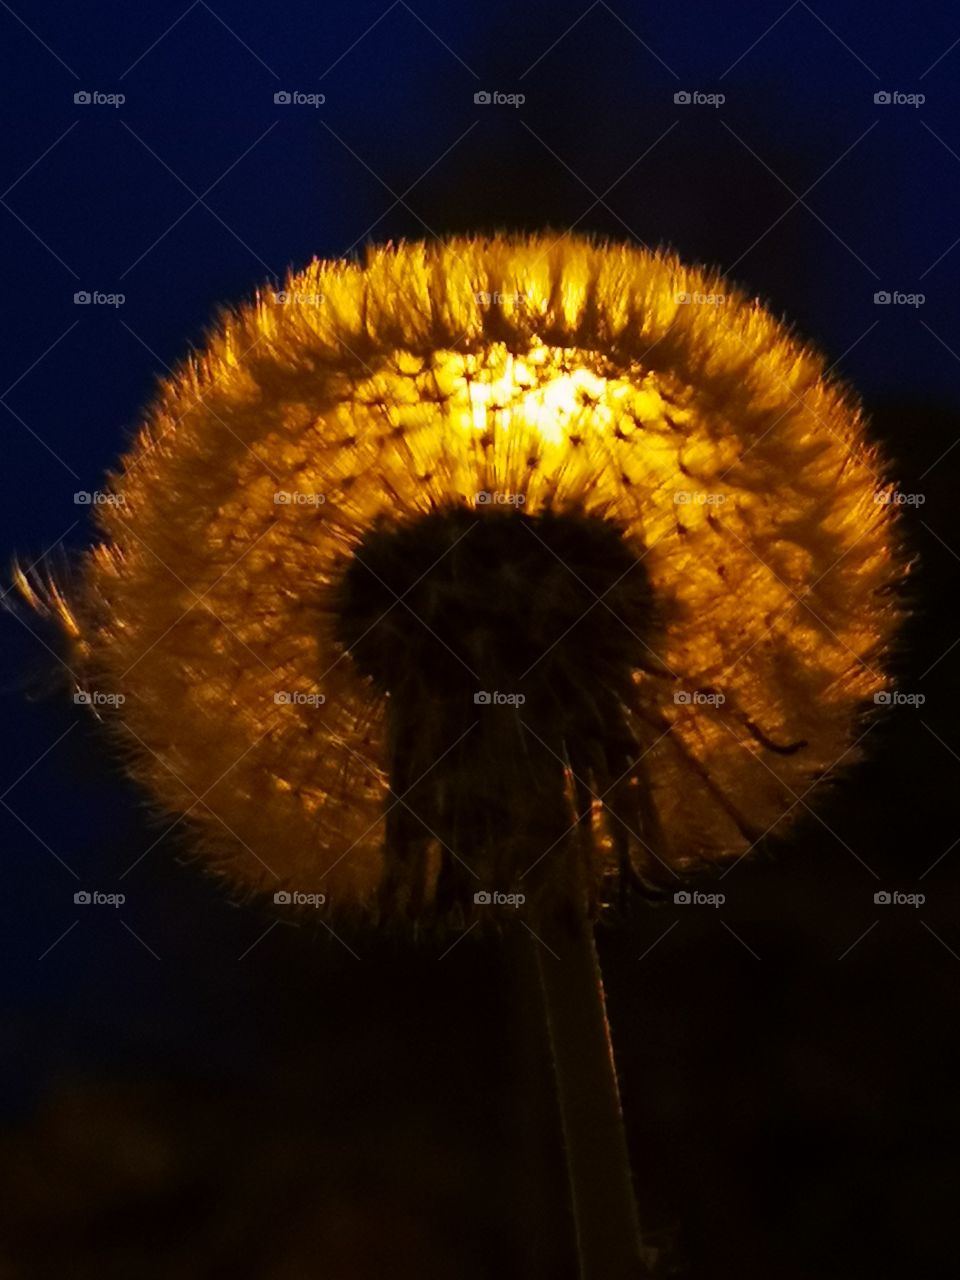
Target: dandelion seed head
(496,385)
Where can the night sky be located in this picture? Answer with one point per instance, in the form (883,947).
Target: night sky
(193,1087)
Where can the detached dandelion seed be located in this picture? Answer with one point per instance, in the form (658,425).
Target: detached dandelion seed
(489,568)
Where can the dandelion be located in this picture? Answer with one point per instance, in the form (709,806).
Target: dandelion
(493,572)
(500,565)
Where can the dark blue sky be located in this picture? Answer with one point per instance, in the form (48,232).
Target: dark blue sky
(198,186)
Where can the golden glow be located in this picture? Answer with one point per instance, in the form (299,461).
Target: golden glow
(520,395)
(564,373)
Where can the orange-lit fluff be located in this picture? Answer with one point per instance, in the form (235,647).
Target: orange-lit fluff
(569,373)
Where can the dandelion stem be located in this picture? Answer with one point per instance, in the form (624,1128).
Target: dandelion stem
(598,1163)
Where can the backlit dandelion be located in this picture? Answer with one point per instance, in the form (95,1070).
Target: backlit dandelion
(490,573)
(493,566)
